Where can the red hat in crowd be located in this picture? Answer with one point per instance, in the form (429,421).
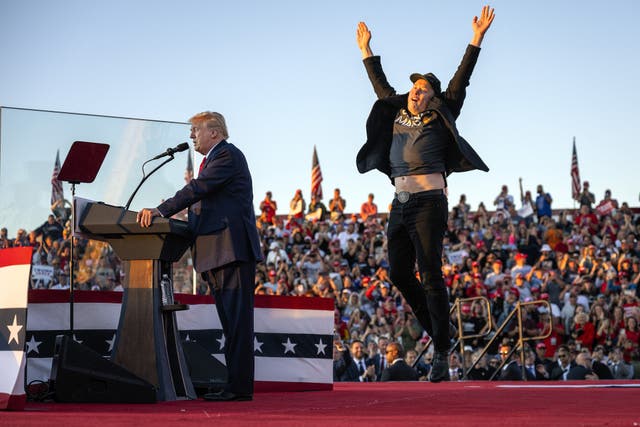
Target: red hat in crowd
(272,273)
(466,308)
(520,255)
(366,280)
(515,292)
(475,264)
(541,345)
(544,296)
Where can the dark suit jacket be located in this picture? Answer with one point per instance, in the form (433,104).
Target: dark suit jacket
(375,360)
(221,215)
(345,368)
(374,154)
(399,371)
(578,372)
(511,372)
(601,370)
(556,371)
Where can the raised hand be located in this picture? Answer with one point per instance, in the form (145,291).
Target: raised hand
(363,37)
(481,25)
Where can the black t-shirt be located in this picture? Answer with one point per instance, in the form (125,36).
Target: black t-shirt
(419,144)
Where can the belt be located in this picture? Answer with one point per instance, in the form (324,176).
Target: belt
(405,196)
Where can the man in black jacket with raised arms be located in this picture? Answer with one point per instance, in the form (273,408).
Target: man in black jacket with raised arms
(413,139)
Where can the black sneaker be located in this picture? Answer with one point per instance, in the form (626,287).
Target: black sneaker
(439,367)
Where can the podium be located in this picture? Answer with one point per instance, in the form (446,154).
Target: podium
(147,342)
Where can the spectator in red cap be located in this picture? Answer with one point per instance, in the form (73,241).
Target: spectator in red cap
(541,356)
(521,265)
(271,284)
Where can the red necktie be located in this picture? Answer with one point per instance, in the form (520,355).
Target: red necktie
(202,165)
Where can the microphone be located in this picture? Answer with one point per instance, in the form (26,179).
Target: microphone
(170,151)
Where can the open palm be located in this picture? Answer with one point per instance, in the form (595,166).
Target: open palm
(482,24)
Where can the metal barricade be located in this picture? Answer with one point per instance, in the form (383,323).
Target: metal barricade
(460,337)
(516,312)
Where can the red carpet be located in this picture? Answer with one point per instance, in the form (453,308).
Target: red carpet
(351,404)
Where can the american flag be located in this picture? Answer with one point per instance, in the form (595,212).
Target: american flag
(15,265)
(575,173)
(56,185)
(316,176)
(188,173)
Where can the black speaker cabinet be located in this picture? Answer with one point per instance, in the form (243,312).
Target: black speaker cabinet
(79,374)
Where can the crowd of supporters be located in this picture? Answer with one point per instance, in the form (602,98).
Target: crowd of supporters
(582,266)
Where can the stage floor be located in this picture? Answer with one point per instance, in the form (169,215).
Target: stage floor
(459,403)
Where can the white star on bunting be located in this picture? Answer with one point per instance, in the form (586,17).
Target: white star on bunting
(111,342)
(257,345)
(289,346)
(13,330)
(320,346)
(32,345)
(222,340)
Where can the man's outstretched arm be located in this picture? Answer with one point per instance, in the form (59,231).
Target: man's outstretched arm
(456,90)
(372,63)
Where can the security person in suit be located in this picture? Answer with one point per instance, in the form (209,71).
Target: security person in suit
(397,369)
(226,247)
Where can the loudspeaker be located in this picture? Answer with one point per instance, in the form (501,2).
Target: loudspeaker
(206,371)
(79,374)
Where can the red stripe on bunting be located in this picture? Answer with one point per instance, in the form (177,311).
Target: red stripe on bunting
(261,301)
(15,256)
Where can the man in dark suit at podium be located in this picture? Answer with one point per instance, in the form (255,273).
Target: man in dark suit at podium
(227,245)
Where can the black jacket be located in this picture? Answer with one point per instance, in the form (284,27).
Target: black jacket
(399,371)
(221,215)
(375,152)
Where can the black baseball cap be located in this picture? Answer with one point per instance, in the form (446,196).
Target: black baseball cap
(430,77)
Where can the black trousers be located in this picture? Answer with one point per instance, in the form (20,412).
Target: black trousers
(415,233)
(232,286)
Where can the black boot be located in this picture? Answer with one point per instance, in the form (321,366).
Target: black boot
(439,367)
